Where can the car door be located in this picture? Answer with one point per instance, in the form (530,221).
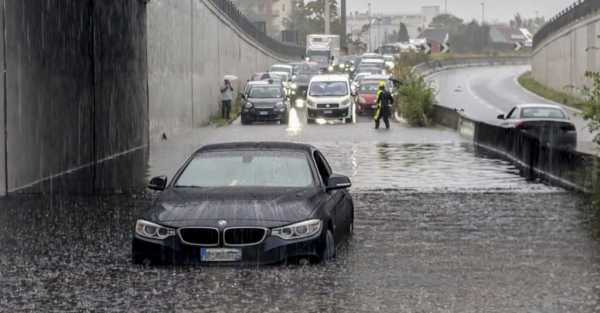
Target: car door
(511,118)
(337,202)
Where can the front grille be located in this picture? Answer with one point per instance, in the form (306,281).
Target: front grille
(244,236)
(199,236)
(327,105)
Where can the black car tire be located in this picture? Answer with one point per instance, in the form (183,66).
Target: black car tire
(284,119)
(348,120)
(245,121)
(328,247)
(310,121)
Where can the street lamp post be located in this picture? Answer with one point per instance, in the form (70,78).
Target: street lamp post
(370,46)
(482,13)
(327,18)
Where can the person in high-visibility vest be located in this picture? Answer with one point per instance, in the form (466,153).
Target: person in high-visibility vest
(384,106)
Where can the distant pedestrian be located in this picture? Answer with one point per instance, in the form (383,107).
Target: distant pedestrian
(227,97)
(384,106)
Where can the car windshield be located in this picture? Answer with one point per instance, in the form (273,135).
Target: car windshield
(279,75)
(321,53)
(542,112)
(321,89)
(263,92)
(248,168)
(280,68)
(370,88)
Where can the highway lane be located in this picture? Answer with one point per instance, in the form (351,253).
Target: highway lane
(485,92)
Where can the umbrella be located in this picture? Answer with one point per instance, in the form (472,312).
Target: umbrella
(230,77)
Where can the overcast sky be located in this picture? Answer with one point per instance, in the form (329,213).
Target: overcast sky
(495,10)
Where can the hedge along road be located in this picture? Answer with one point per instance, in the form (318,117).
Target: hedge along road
(485,92)
(440,227)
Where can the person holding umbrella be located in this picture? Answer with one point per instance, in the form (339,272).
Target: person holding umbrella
(226,97)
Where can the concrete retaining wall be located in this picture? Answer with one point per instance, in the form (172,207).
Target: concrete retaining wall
(561,60)
(191,46)
(76,92)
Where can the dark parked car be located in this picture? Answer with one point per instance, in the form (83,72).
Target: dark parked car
(547,123)
(264,101)
(247,203)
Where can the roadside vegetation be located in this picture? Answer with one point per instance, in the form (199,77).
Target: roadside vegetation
(414,99)
(528,82)
(591,107)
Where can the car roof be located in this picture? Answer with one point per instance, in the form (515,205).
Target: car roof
(539,105)
(370,60)
(258,145)
(330,78)
(282,65)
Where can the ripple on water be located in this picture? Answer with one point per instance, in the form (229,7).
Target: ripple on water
(425,167)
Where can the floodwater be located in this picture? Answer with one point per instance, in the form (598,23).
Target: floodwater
(440,227)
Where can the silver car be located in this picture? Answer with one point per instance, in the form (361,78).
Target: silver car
(548,123)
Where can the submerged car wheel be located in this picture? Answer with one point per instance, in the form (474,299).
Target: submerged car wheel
(329,249)
(245,121)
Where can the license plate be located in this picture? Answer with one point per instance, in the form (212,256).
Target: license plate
(220,255)
(328,112)
(263,113)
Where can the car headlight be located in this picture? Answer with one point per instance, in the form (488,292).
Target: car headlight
(293,86)
(248,105)
(330,68)
(279,104)
(345,103)
(299,230)
(153,231)
(310,103)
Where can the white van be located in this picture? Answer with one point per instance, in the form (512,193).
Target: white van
(330,96)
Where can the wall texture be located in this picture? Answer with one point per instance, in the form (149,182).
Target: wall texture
(76,91)
(561,59)
(192,45)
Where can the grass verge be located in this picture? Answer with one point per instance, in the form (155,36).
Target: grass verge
(528,82)
(236,109)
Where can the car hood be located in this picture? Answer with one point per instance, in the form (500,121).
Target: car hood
(238,206)
(328,99)
(369,98)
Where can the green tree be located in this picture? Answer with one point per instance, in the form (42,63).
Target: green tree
(448,22)
(403,33)
(308,17)
(591,110)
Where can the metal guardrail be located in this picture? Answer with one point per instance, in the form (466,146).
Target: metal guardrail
(575,12)
(428,68)
(236,16)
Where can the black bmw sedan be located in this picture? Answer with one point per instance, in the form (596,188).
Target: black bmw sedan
(247,203)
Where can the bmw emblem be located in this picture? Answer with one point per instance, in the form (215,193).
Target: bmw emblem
(222,223)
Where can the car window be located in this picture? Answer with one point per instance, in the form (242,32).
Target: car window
(264,92)
(247,168)
(336,89)
(322,166)
(542,112)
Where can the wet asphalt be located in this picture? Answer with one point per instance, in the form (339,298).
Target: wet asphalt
(440,227)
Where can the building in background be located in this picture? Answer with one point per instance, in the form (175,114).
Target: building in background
(385,27)
(273,14)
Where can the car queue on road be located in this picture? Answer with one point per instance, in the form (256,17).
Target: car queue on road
(332,94)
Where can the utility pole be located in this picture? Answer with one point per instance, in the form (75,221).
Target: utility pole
(327,18)
(445,6)
(343,38)
(370,45)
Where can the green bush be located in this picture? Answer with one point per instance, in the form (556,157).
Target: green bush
(415,101)
(591,110)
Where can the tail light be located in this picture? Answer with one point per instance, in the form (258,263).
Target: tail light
(521,125)
(568,128)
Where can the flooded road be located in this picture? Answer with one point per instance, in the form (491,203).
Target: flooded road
(440,227)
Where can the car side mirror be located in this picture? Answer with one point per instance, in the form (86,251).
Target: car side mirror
(158,183)
(336,182)
(500,117)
